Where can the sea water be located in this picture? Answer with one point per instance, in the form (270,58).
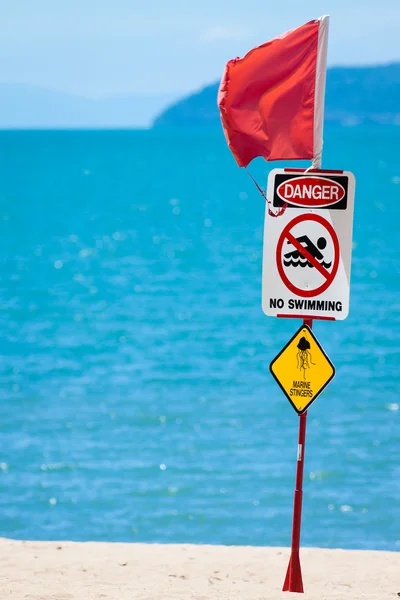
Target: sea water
(137,403)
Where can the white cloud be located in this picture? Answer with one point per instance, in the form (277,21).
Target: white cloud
(225,32)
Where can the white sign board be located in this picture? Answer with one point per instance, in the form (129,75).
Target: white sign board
(307,243)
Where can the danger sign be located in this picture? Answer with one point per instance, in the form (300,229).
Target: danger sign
(296,189)
(311,192)
(307,244)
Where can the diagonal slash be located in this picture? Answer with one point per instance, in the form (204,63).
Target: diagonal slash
(305,253)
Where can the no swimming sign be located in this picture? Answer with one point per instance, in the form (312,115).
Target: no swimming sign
(307,244)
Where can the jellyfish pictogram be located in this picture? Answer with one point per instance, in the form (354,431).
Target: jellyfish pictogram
(304,358)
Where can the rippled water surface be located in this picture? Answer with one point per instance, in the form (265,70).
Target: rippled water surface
(137,404)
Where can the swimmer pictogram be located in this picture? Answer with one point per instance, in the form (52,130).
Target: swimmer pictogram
(296,259)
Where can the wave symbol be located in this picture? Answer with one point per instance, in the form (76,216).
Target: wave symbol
(303,262)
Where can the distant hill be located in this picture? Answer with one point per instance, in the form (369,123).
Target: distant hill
(26,106)
(354,95)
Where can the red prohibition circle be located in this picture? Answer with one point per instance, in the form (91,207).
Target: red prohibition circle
(329,277)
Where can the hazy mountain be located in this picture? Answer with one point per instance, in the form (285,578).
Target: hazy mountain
(26,106)
(353,95)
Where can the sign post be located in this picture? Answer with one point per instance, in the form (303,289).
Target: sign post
(293,580)
(276,111)
(306,274)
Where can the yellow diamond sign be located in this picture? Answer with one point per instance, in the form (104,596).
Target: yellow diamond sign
(302,369)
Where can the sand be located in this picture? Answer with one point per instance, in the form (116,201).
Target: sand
(95,571)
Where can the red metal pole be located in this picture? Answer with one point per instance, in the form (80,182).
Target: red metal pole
(294,580)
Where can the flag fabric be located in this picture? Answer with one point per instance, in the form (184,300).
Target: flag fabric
(272,100)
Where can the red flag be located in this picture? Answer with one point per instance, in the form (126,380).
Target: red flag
(272,100)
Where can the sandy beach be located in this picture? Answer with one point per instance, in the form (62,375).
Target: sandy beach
(106,571)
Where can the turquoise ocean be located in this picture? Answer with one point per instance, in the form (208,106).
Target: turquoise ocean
(136,398)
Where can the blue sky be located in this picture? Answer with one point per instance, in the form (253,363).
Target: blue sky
(98,48)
